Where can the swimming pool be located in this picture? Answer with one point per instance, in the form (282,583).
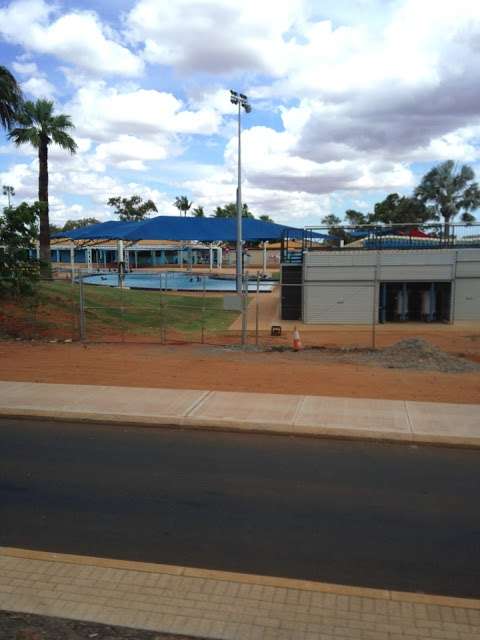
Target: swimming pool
(174,281)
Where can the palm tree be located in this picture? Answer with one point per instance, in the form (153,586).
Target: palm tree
(38,126)
(182,204)
(10,98)
(451,190)
(198,212)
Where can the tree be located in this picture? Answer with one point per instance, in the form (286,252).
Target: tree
(10,98)
(230,211)
(331,221)
(182,203)
(78,224)
(265,218)
(132,209)
(450,190)
(18,232)
(335,227)
(9,192)
(355,218)
(37,125)
(396,209)
(198,212)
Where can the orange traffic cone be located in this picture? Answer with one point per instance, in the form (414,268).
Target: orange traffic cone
(297,343)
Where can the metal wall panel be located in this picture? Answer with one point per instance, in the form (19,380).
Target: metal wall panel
(339,259)
(336,273)
(468,269)
(467,299)
(416,273)
(344,303)
(468,254)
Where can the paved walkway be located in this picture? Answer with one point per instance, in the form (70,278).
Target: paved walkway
(223,605)
(391,420)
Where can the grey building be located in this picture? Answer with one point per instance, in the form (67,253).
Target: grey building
(360,287)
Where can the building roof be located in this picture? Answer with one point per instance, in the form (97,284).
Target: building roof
(183,228)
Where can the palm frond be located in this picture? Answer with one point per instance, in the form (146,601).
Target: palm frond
(26,135)
(63,140)
(10,98)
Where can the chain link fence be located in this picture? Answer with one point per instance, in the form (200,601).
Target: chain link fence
(100,306)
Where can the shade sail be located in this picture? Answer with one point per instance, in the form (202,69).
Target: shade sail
(188,229)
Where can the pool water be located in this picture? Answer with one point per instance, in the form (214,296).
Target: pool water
(173,281)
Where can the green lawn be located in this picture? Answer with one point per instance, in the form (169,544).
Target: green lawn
(137,311)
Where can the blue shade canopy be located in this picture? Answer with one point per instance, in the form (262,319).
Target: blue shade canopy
(180,228)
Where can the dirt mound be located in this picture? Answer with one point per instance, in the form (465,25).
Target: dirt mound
(416,353)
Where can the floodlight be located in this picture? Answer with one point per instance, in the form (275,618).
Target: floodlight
(234,93)
(243,96)
(248,108)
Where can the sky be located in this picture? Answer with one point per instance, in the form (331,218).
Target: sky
(351,100)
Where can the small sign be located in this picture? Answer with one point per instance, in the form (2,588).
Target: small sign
(276,330)
(232,303)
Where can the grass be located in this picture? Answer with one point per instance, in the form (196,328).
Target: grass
(136,311)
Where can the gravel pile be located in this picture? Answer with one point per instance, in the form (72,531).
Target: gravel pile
(416,353)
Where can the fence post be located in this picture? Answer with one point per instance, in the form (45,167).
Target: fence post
(203,309)
(375,297)
(244,309)
(257,308)
(81,308)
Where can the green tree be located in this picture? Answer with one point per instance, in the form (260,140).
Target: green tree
(18,232)
(265,218)
(230,211)
(451,191)
(54,228)
(356,218)
(198,212)
(335,227)
(182,203)
(132,209)
(396,209)
(78,224)
(37,125)
(10,98)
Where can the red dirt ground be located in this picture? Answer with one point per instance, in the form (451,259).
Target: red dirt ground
(207,367)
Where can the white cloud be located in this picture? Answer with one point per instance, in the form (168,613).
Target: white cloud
(25,68)
(39,88)
(217,37)
(101,112)
(77,38)
(130,152)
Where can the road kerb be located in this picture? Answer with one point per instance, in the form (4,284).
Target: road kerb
(245,578)
(158,421)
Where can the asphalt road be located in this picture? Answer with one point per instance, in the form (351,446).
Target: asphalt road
(389,516)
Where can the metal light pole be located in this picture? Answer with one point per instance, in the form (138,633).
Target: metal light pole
(9,192)
(242,101)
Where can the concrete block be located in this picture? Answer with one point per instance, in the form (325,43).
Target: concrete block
(443,422)
(349,416)
(246,411)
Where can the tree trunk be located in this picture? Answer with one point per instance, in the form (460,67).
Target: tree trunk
(446,229)
(45,266)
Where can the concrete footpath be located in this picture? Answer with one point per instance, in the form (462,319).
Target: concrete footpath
(227,606)
(390,420)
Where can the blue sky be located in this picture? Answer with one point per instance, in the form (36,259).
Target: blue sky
(352,99)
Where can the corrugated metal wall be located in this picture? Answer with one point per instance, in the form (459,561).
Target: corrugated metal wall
(338,286)
(345,303)
(467,299)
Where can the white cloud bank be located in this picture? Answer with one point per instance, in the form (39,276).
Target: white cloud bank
(77,38)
